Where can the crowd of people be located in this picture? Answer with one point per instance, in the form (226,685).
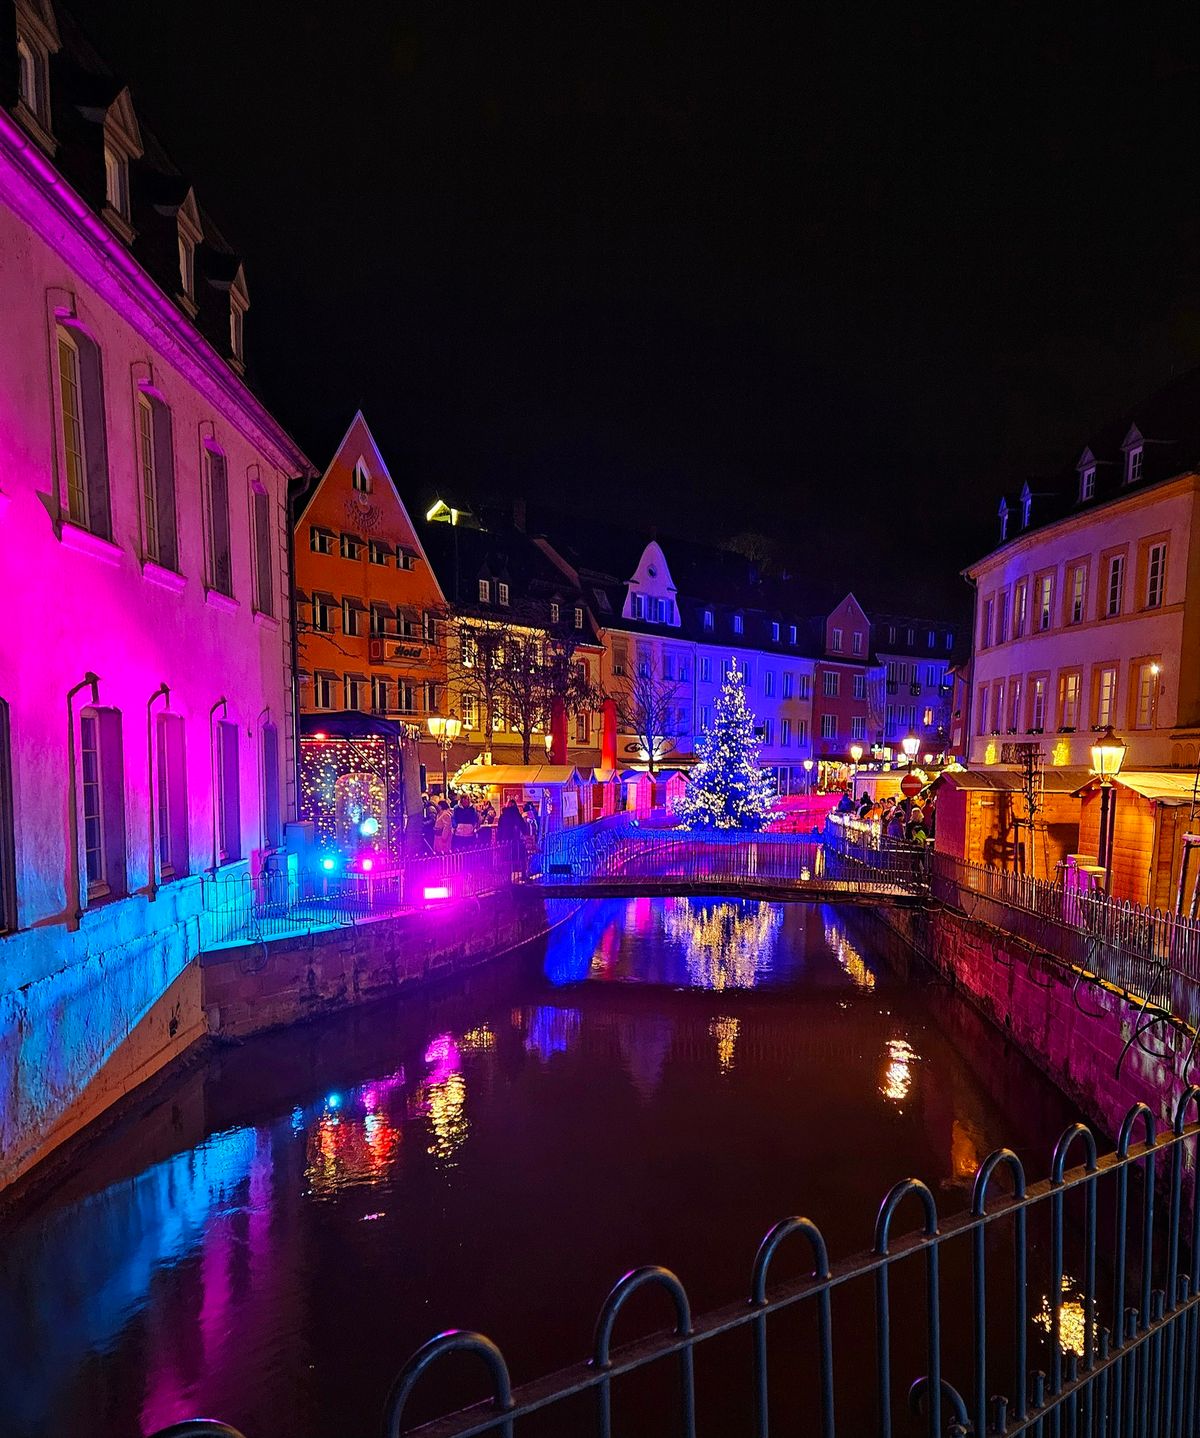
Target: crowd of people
(893,816)
(450,828)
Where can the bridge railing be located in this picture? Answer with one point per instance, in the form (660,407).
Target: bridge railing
(1106,1341)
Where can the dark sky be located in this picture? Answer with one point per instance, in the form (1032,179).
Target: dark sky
(839,273)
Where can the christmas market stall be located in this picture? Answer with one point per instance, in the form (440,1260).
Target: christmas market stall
(352,789)
(557,792)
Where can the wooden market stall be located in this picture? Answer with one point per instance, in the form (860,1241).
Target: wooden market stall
(981,818)
(557,791)
(1154,809)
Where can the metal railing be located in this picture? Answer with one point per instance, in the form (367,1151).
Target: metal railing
(246,908)
(1123,1339)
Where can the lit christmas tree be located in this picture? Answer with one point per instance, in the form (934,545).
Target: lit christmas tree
(727,789)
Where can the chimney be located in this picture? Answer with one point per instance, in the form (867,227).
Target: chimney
(519,514)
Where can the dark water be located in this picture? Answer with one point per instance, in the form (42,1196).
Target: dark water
(659,1081)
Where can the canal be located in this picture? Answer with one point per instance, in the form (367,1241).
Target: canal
(658,1080)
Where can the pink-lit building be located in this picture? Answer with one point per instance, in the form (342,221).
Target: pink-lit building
(145,663)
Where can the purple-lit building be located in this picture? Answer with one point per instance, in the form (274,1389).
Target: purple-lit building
(145,663)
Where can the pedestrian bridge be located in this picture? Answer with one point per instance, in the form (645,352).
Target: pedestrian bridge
(619,857)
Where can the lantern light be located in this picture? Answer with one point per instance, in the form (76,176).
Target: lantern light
(367,865)
(1108,754)
(910,745)
(369,827)
(856,752)
(328,863)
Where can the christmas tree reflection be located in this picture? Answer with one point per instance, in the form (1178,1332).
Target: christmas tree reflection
(727,943)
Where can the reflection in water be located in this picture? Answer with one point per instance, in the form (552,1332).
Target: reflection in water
(345,1147)
(966,1149)
(853,964)
(1072,1318)
(443,1100)
(550,1031)
(726,943)
(897,1076)
(725,1030)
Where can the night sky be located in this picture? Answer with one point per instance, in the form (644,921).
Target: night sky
(841,274)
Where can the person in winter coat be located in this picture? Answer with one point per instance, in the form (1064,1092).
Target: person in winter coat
(510,827)
(442,828)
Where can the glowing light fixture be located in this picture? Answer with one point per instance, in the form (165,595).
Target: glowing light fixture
(445,729)
(320,734)
(437,891)
(1108,754)
(329,863)
(369,827)
(856,752)
(910,745)
(368,865)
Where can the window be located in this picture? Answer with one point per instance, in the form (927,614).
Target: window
(1003,513)
(485,591)
(1026,506)
(706,669)
(1106,696)
(683,671)
(264,584)
(931,638)
(830,683)
(360,479)
(1068,700)
(380,695)
(187,266)
(1115,588)
(320,541)
(858,727)
(985,633)
(1020,607)
(351,621)
(705,717)
(116,180)
(497,716)
(620,661)
(229,799)
(856,641)
(1087,482)
(156,461)
(1002,617)
(237,327)
(1045,600)
(578,617)
(775,630)
(637,606)
(322,622)
(322,690)
(949,638)
(554,612)
(1146,681)
(890,720)
(8,841)
(405,559)
(351,546)
(501,593)
(708,619)
(791,634)
(1156,575)
(353,689)
(769,684)
(581,728)
(1133,464)
(981,710)
(668,666)
(789,684)
(272,829)
(860,686)
(85,445)
(927,718)
(768,732)
(220,555)
(1037,705)
(406,698)
(431,697)
(377,552)
(828,726)
(1014,706)
(998,706)
(27,77)
(470,711)
(1078,593)
(835,641)
(102,802)
(737,624)
(804,686)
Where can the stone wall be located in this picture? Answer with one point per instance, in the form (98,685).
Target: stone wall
(260,986)
(1076,1037)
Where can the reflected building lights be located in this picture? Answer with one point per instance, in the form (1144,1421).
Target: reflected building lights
(725,1030)
(1072,1318)
(478,1040)
(726,945)
(443,1099)
(851,962)
(550,1031)
(897,1076)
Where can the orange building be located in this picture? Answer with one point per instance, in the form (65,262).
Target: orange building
(369,606)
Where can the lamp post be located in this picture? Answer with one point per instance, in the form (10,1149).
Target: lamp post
(1108,754)
(445,731)
(808,775)
(856,753)
(910,745)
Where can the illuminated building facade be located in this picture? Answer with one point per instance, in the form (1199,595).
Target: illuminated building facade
(916,657)
(145,666)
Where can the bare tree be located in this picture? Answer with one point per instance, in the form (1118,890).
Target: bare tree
(539,668)
(475,659)
(646,708)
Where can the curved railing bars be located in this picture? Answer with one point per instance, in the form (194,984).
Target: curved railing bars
(1139,1112)
(883,1333)
(454,1340)
(783,1230)
(198,1428)
(1001,1157)
(1076,1132)
(601,1360)
(960,1421)
(1189,1096)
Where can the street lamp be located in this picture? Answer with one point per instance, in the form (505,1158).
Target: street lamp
(808,775)
(910,747)
(1108,754)
(445,731)
(856,753)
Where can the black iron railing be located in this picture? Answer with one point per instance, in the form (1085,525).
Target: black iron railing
(1123,1351)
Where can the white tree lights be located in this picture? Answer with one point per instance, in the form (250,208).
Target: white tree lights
(728,789)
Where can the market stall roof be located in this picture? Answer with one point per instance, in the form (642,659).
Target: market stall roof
(348,724)
(518,774)
(1057,781)
(1163,786)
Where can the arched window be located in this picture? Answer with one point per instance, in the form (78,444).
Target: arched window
(156,464)
(361,480)
(85,446)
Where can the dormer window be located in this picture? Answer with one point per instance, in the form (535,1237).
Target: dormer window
(237,325)
(485,591)
(27,77)
(37,40)
(708,619)
(737,624)
(187,267)
(188,234)
(502,593)
(1026,506)
(1087,483)
(361,480)
(637,606)
(1133,464)
(775,630)
(1003,511)
(116,180)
